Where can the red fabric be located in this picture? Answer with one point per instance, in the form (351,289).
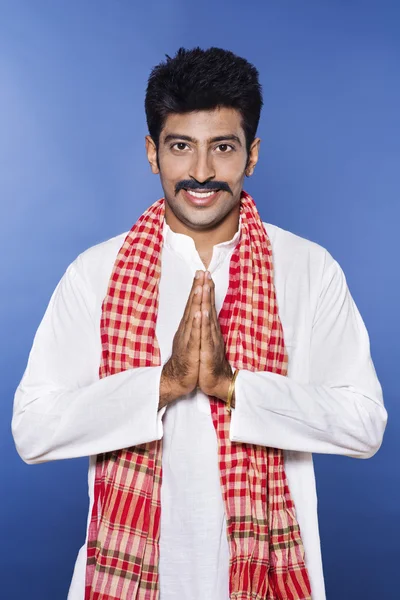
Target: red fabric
(266,551)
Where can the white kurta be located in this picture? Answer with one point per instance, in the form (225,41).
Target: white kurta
(331,401)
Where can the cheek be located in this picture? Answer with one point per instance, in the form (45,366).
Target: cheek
(172,170)
(231,170)
(235,181)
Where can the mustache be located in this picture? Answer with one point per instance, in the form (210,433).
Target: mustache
(190,184)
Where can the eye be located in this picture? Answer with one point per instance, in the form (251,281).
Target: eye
(179,146)
(225,148)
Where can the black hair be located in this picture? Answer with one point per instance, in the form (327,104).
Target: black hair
(203,80)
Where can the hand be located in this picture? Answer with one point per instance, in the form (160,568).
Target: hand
(215,373)
(181,372)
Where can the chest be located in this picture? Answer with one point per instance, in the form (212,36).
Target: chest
(294,296)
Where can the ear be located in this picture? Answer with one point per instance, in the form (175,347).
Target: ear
(151,151)
(253,157)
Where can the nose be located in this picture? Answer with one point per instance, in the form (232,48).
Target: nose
(202,168)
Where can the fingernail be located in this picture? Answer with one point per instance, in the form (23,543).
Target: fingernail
(197,275)
(207,288)
(208,275)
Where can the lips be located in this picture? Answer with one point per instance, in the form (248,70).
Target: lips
(200,199)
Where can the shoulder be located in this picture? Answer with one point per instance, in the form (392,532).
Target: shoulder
(302,267)
(306,276)
(104,252)
(291,250)
(94,266)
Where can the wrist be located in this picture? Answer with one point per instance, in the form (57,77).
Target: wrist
(222,389)
(169,389)
(231,393)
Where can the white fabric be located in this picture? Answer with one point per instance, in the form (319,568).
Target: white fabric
(331,401)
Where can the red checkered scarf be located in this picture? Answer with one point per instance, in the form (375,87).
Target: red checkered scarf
(266,551)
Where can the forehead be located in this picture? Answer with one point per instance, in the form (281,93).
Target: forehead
(203,124)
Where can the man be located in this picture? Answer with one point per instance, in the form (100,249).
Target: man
(199,360)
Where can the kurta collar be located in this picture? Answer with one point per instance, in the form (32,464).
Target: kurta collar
(184,245)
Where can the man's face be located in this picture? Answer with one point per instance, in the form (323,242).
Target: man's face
(202,160)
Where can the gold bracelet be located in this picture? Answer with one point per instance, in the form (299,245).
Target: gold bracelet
(231,391)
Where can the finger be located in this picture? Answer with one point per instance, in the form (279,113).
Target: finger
(206,297)
(208,280)
(214,321)
(195,332)
(187,320)
(196,300)
(216,333)
(206,340)
(194,296)
(206,308)
(195,309)
(207,291)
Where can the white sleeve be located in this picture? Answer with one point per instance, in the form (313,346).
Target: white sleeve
(61,407)
(340,410)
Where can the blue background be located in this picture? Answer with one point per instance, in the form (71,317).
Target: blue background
(74,173)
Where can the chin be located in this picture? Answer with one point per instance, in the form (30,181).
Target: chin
(199,225)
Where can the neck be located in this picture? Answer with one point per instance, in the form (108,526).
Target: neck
(206,239)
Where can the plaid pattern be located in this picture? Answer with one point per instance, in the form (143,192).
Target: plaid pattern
(266,551)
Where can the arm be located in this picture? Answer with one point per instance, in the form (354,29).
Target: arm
(61,407)
(341,410)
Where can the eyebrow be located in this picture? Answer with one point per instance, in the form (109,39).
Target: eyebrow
(187,138)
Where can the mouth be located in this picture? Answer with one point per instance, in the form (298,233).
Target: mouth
(203,198)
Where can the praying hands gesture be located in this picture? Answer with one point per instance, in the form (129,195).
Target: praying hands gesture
(198,350)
